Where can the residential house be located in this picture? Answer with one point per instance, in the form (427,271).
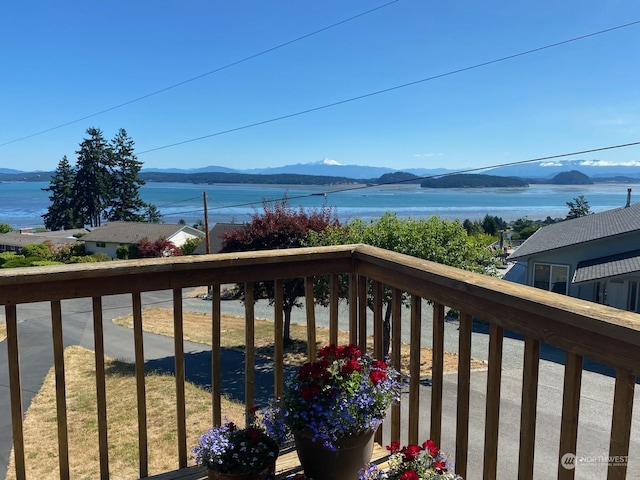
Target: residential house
(107,238)
(14,241)
(215,237)
(595,257)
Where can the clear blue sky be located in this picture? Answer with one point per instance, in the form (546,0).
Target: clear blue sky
(65,60)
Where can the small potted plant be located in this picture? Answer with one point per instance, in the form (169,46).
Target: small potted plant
(413,462)
(332,407)
(232,453)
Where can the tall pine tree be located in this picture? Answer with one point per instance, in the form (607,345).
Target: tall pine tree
(93,186)
(126,204)
(104,185)
(61,214)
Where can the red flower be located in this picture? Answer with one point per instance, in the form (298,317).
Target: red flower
(379,364)
(254,433)
(409,475)
(441,467)
(310,393)
(350,366)
(410,452)
(394,447)
(351,351)
(377,376)
(431,447)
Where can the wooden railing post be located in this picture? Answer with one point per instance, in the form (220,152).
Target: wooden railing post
(492,417)
(621,425)
(61,398)
(464,385)
(278,342)
(143,444)
(437,373)
(216,381)
(528,408)
(569,421)
(15,390)
(178,345)
(249,349)
(101,389)
(414,370)
(309,302)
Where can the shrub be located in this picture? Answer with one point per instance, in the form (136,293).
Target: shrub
(37,250)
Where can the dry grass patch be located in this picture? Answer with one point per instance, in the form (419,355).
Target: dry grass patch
(3,331)
(40,425)
(197,328)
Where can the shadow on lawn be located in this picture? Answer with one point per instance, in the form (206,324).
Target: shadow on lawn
(198,372)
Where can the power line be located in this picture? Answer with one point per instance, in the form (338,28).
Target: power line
(198,77)
(413,179)
(390,89)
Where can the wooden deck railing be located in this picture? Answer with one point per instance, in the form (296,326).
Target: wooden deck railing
(581,329)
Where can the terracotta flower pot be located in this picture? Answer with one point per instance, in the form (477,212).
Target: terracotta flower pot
(320,463)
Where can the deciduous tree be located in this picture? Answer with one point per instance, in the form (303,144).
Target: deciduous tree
(439,240)
(279,226)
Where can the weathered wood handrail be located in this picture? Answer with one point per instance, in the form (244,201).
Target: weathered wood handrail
(580,328)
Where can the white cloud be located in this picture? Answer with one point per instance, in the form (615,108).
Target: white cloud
(551,164)
(609,163)
(330,161)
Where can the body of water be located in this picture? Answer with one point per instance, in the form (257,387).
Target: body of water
(22,204)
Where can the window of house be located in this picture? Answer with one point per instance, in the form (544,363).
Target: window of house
(551,277)
(101,244)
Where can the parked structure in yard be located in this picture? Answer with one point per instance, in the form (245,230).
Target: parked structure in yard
(107,238)
(595,257)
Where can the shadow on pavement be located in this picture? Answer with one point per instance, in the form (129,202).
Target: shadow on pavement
(198,371)
(551,353)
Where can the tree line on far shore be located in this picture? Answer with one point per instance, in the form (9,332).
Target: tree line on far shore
(104,184)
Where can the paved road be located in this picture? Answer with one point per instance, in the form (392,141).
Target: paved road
(596,403)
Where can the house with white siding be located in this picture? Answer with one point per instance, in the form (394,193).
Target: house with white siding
(107,238)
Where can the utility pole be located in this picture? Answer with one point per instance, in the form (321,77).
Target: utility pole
(206,224)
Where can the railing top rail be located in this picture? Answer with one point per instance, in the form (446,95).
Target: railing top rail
(596,331)
(578,326)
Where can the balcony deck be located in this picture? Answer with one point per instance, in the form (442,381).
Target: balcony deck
(580,329)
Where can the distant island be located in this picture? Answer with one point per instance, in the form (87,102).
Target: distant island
(473,181)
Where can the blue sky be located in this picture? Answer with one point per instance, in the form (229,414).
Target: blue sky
(65,60)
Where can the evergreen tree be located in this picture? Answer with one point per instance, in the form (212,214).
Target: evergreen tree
(61,214)
(126,204)
(93,185)
(579,207)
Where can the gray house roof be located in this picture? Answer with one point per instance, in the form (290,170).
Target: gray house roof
(132,232)
(18,240)
(609,266)
(215,237)
(601,225)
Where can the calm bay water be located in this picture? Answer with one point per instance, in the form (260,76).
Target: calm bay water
(23,203)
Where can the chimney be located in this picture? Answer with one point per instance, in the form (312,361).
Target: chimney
(628,198)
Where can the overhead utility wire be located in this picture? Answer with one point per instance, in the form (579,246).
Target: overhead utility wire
(198,77)
(413,179)
(390,89)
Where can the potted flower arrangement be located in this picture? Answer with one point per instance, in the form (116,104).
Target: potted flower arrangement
(333,407)
(413,462)
(229,452)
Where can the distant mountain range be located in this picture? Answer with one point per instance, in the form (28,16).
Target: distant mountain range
(535,172)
